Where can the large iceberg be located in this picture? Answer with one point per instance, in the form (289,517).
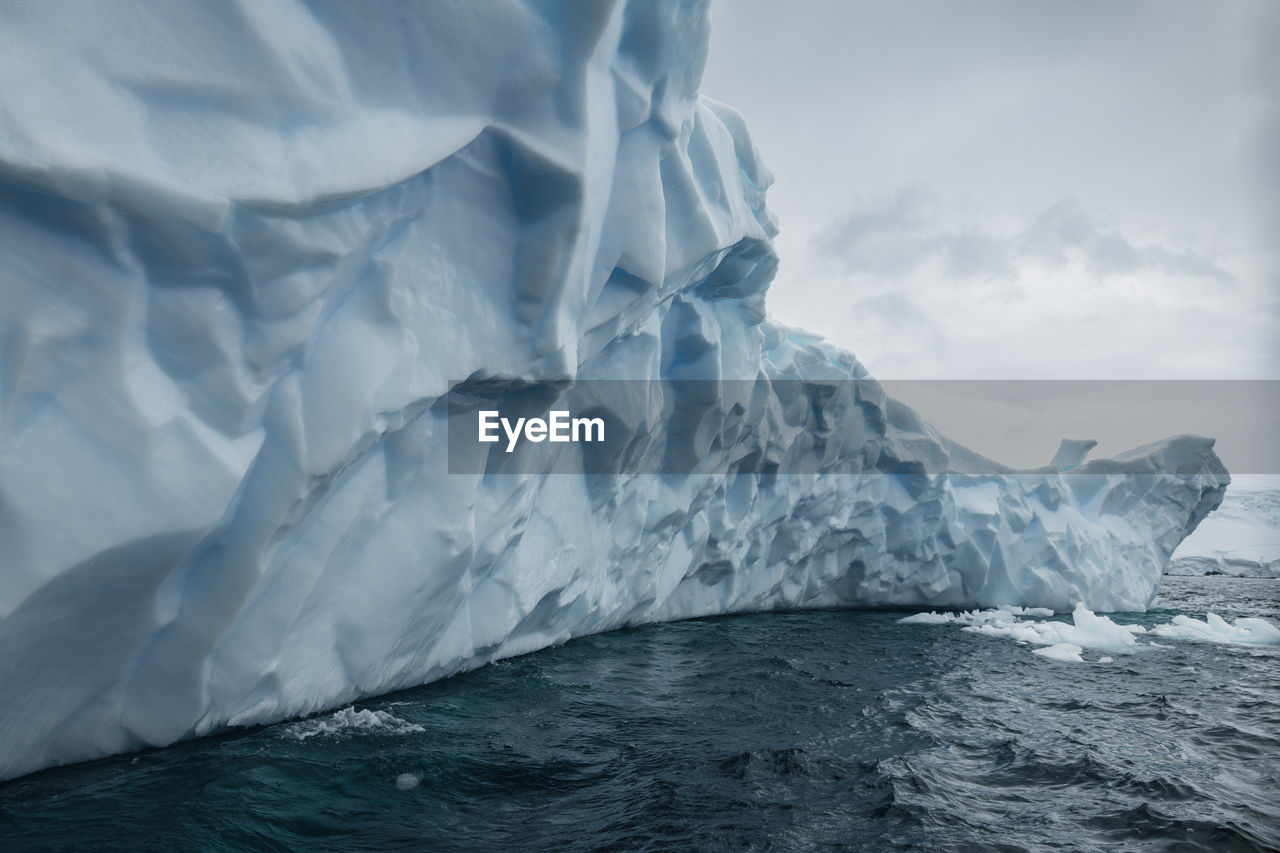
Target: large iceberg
(247,249)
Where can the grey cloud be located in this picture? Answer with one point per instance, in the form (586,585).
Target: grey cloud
(974,254)
(1065,228)
(890,236)
(898,311)
(1058,228)
(1160,112)
(897,235)
(1189,264)
(896,329)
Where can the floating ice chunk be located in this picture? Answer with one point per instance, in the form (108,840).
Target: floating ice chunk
(999,615)
(1247,630)
(1021,632)
(1061,651)
(1100,631)
(930,618)
(408,781)
(964,617)
(1106,659)
(1090,631)
(349,720)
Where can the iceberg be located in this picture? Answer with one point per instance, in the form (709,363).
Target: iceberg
(1241,538)
(250,251)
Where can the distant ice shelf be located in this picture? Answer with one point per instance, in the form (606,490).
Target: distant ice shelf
(245,249)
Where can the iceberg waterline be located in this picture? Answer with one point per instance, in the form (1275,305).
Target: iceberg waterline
(245,254)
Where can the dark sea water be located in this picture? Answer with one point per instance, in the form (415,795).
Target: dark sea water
(805,731)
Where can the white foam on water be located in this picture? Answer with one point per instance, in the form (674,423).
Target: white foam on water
(350,721)
(408,781)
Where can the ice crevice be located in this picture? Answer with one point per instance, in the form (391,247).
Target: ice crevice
(242,264)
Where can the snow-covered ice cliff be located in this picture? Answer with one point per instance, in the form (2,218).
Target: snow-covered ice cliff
(246,247)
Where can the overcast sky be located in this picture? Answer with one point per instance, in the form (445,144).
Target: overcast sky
(1005,188)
